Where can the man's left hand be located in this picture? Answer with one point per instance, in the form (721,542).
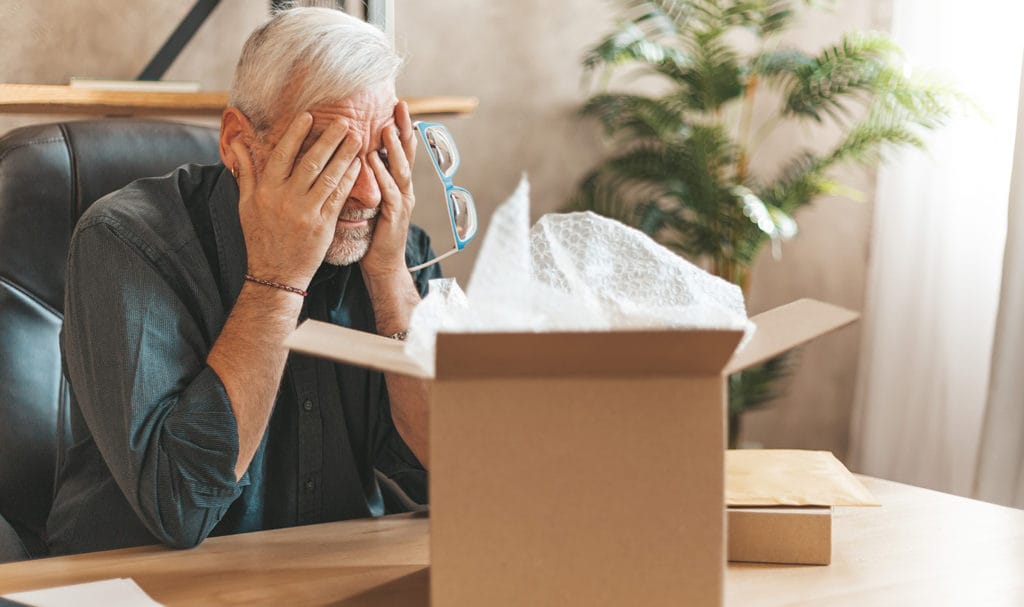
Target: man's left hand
(386,256)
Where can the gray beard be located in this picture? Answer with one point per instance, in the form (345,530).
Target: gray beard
(350,244)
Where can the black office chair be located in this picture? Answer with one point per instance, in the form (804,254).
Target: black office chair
(49,174)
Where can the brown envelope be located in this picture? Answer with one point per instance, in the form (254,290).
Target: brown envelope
(782,477)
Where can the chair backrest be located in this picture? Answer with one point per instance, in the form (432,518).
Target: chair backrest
(49,174)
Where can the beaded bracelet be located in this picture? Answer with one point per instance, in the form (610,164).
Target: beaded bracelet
(276,285)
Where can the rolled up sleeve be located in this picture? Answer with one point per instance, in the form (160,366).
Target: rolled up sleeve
(392,456)
(135,355)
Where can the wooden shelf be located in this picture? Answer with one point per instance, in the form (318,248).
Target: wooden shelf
(55,99)
(59,99)
(439,106)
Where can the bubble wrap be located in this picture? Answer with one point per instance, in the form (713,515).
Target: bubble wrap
(573,272)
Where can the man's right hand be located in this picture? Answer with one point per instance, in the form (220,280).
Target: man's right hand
(289,212)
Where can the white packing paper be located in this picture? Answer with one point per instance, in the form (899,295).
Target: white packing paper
(573,272)
(119,592)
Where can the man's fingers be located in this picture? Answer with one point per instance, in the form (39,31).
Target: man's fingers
(314,161)
(243,171)
(406,131)
(398,162)
(331,178)
(335,201)
(282,158)
(391,195)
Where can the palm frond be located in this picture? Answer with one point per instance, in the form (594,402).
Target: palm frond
(674,15)
(864,142)
(919,99)
(806,177)
(703,156)
(798,183)
(711,154)
(776,17)
(651,162)
(631,44)
(653,217)
(605,194)
(636,116)
(782,66)
(755,388)
(758,385)
(712,78)
(774,222)
(692,236)
(764,17)
(840,76)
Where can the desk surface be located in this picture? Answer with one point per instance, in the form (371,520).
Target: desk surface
(920,548)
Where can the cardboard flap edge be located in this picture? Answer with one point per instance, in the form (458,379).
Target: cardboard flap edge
(789,326)
(359,348)
(584,353)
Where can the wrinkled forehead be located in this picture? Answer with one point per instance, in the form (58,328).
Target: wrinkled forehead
(365,122)
(365,113)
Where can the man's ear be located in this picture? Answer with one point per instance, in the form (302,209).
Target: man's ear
(233,125)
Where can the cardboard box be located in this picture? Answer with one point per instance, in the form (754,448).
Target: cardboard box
(792,536)
(579,468)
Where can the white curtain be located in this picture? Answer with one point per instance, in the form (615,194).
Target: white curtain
(1000,476)
(936,258)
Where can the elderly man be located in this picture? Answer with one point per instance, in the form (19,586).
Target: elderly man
(188,416)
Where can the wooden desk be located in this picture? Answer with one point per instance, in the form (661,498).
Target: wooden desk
(920,548)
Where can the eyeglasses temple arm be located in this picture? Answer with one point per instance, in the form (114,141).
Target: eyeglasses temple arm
(434,260)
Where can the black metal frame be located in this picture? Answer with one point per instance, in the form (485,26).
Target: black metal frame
(157,66)
(186,30)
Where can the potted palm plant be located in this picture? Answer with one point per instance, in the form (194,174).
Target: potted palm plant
(681,171)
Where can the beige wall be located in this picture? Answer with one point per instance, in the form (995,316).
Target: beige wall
(522,60)
(48,41)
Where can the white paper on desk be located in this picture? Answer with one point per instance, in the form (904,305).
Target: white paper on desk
(120,592)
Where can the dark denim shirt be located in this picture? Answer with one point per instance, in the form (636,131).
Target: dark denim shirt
(153,272)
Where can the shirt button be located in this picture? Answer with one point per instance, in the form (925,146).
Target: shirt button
(310,485)
(308,405)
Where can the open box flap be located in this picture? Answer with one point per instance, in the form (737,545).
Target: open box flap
(597,353)
(786,327)
(359,348)
(585,354)
(578,354)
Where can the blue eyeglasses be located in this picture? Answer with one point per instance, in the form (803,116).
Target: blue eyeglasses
(441,148)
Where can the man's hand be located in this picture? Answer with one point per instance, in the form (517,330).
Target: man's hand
(290,212)
(392,291)
(386,258)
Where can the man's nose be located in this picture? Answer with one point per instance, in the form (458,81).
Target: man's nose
(365,190)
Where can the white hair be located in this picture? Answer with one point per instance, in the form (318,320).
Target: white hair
(305,56)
